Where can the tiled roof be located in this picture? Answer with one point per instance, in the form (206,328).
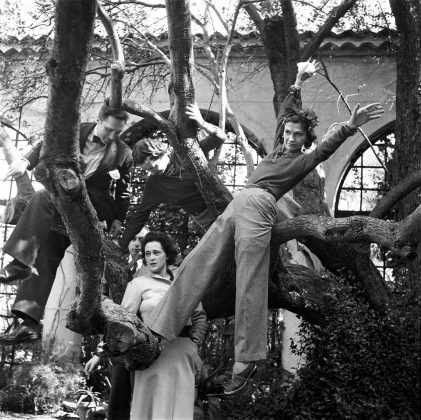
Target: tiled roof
(384,42)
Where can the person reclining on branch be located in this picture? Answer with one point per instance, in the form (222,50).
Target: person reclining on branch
(168,183)
(37,249)
(244,231)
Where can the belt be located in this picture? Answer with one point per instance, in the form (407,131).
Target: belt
(262,187)
(185,332)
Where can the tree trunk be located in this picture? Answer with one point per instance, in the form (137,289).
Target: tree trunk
(407,155)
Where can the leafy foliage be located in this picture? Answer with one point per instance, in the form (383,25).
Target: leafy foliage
(39,385)
(362,364)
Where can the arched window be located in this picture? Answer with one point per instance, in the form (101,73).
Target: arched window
(365,182)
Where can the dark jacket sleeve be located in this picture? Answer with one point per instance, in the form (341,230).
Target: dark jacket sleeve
(137,219)
(212,141)
(122,193)
(291,102)
(332,140)
(33,156)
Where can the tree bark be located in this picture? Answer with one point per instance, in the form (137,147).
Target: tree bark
(59,170)
(407,156)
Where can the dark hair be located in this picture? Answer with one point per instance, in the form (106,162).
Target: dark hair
(148,148)
(108,111)
(166,243)
(311,134)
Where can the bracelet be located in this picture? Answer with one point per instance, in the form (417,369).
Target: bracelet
(348,131)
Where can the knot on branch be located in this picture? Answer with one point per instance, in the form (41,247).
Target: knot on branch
(405,250)
(118,68)
(41,173)
(335,232)
(69,181)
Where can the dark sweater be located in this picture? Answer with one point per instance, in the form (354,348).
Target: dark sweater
(176,189)
(279,172)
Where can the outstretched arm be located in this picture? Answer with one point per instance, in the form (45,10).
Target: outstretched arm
(306,70)
(216,136)
(339,133)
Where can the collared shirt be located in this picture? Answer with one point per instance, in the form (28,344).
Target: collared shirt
(92,154)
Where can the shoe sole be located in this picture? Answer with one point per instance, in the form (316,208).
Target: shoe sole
(230,393)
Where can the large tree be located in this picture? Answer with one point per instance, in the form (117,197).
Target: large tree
(299,289)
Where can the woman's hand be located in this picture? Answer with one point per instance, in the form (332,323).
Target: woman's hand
(193,112)
(360,116)
(306,69)
(91,364)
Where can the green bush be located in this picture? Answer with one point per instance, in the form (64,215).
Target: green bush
(361,365)
(38,385)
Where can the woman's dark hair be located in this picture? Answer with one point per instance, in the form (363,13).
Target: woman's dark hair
(166,243)
(311,134)
(145,148)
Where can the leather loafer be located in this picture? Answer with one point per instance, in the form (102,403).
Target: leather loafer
(20,335)
(12,272)
(239,380)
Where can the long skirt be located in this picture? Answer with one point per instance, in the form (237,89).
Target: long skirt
(166,390)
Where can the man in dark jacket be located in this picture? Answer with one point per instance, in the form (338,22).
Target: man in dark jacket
(36,248)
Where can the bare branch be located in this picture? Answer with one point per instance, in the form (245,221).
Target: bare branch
(254,14)
(342,97)
(318,8)
(398,192)
(334,16)
(141,3)
(118,66)
(218,14)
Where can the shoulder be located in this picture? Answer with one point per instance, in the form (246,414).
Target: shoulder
(86,128)
(124,148)
(140,282)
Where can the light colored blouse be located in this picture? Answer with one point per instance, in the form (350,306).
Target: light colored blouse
(143,294)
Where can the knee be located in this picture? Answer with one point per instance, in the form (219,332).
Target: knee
(41,197)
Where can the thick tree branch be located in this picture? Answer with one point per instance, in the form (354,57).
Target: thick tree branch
(396,194)
(356,229)
(334,16)
(118,66)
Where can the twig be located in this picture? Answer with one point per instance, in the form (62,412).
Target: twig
(342,97)
(7,123)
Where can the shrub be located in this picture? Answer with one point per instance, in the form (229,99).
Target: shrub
(360,365)
(38,385)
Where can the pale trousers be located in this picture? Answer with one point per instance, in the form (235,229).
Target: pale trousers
(243,231)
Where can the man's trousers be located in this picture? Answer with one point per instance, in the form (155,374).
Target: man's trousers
(34,244)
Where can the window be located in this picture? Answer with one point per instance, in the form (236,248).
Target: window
(365,182)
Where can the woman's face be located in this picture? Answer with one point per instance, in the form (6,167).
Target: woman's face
(295,136)
(156,258)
